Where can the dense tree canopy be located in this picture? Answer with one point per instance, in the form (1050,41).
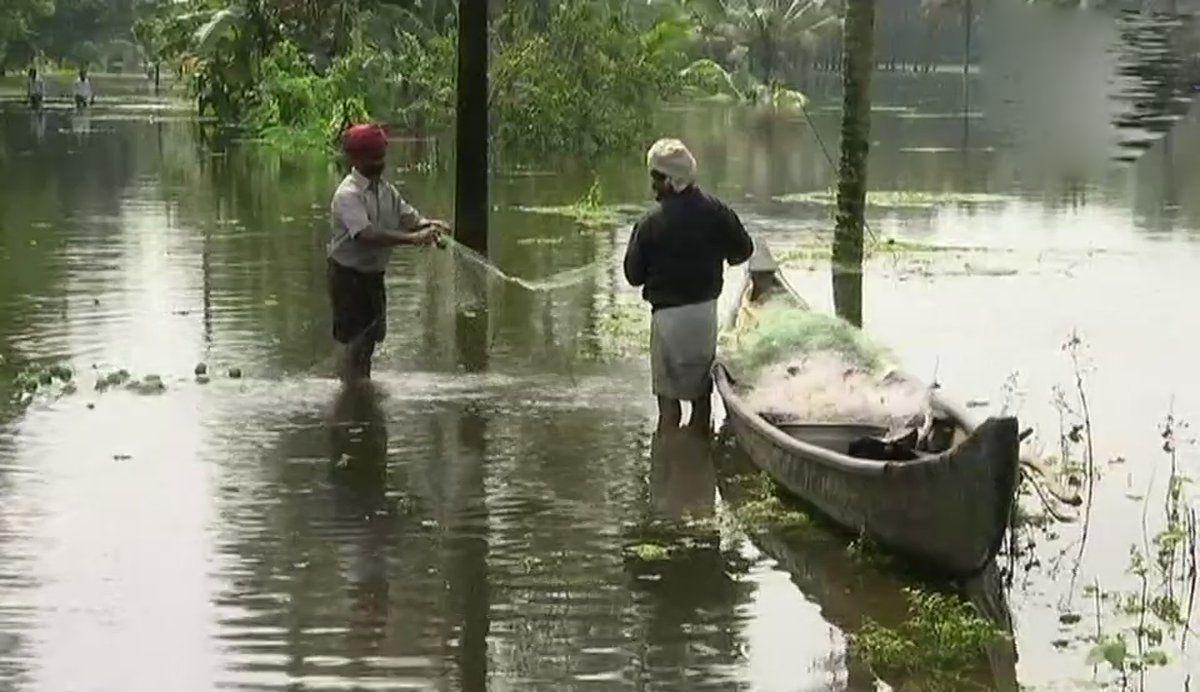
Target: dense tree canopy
(567,75)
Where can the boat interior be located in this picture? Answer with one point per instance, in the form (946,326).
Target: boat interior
(864,441)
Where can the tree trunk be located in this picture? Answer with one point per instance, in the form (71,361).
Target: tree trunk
(857,61)
(967,18)
(471,177)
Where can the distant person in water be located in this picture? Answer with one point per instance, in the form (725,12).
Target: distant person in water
(35,89)
(84,94)
(369,218)
(677,254)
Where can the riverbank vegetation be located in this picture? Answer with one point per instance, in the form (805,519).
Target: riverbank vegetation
(567,76)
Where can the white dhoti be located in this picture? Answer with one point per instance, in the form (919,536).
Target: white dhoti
(683,344)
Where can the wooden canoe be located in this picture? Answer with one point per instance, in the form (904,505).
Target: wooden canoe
(946,513)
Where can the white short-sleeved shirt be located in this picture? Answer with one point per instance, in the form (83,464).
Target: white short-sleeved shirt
(357,204)
(83,88)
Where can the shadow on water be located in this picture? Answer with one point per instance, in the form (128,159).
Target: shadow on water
(364,569)
(698,587)
(849,590)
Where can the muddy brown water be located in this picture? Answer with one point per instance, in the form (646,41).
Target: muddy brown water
(462,523)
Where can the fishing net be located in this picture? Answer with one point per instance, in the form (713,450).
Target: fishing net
(777,331)
(481,265)
(796,365)
(548,319)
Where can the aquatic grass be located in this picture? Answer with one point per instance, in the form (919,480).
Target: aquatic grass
(761,507)
(940,643)
(1152,618)
(589,211)
(817,248)
(599,218)
(902,199)
(648,552)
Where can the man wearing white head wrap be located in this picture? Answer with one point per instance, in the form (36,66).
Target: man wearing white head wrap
(671,159)
(677,254)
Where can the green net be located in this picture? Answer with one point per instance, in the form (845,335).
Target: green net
(798,365)
(777,332)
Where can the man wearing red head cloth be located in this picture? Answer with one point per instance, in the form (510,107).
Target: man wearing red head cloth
(369,218)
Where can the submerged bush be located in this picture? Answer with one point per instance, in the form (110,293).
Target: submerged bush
(942,640)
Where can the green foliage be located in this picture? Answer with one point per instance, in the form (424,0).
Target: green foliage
(294,104)
(763,509)
(772,38)
(590,211)
(585,84)
(648,552)
(1116,653)
(942,640)
(411,83)
(707,77)
(582,79)
(17,22)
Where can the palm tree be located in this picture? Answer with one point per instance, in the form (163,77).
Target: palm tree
(778,35)
(858,61)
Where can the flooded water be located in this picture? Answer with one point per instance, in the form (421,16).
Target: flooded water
(464,522)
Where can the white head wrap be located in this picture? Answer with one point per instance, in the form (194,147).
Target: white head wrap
(671,158)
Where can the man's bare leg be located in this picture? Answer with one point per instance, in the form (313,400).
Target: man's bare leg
(701,413)
(670,413)
(346,367)
(356,360)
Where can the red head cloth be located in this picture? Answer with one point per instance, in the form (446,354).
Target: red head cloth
(368,141)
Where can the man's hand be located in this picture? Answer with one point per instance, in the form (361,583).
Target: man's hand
(424,236)
(439,230)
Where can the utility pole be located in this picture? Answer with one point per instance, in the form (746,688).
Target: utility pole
(471,148)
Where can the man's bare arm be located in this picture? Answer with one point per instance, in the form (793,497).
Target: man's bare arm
(379,236)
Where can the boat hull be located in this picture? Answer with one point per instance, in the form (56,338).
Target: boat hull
(946,513)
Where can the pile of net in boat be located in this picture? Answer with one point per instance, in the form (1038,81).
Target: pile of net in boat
(796,365)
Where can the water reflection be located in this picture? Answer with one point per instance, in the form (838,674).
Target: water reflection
(850,591)
(682,476)
(687,605)
(1154,81)
(467,548)
(358,467)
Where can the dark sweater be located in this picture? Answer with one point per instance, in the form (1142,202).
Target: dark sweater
(677,251)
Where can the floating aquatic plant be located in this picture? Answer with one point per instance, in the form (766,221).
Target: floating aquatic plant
(942,640)
(27,382)
(902,199)
(589,210)
(648,552)
(761,507)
